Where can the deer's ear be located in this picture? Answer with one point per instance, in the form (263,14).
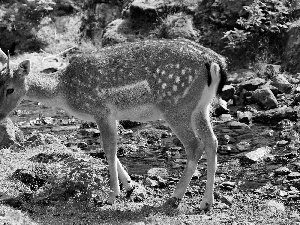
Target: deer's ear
(24,68)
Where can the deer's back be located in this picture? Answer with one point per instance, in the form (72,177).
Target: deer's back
(139,73)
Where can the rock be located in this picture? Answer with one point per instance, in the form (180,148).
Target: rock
(293,176)
(244,117)
(127,124)
(177,26)
(255,156)
(282,84)
(158,172)
(297,165)
(265,98)
(238,125)
(220,107)
(296,99)
(282,171)
(243,146)
(252,84)
(227,92)
(99,15)
(118,31)
(149,11)
(240,76)
(225,139)
(269,70)
(296,183)
(225,117)
(289,134)
(291,55)
(228,185)
(82,145)
(9,134)
(273,116)
(282,143)
(150,182)
(89,132)
(124,149)
(227,200)
(274,90)
(268,133)
(285,124)
(275,206)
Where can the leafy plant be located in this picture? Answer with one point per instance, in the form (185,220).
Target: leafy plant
(20,22)
(265,21)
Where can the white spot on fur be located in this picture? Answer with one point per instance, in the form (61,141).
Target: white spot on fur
(163,72)
(164,85)
(190,79)
(175,88)
(169,93)
(171,75)
(177,66)
(183,71)
(159,80)
(177,79)
(157,70)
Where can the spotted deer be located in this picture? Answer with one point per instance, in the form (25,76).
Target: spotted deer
(173,80)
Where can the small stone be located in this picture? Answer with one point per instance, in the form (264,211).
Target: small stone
(282,143)
(268,133)
(228,185)
(82,145)
(238,125)
(227,92)
(293,175)
(282,171)
(244,117)
(225,117)
(274,205)
(243,146)
(227,200)
(255,156)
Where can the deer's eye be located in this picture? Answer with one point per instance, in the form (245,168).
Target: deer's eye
(10,91)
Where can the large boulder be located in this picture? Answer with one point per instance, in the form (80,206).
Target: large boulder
(265,98)
(99,15)
(292,51)
(282,84)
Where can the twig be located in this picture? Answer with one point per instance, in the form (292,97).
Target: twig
(59,54)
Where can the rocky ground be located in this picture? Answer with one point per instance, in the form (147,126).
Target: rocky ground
(53,169)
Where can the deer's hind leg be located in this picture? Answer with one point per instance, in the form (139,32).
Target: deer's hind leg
(181,124)
(203,129)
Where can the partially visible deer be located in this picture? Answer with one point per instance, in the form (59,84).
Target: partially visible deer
(174,80)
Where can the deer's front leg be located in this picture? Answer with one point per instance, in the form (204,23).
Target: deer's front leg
(107,127)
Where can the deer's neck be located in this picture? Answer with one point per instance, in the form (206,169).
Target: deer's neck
(43,87)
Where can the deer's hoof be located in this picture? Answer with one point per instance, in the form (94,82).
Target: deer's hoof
(205,205)
(173,202)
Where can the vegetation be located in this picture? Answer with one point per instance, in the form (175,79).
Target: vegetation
(261,31)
